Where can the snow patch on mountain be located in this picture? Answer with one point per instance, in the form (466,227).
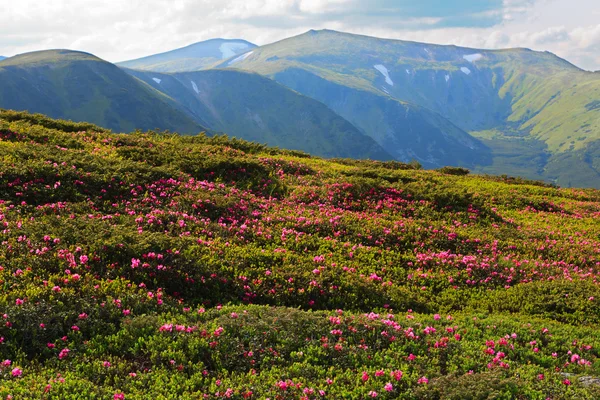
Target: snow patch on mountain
(195,87)
(157,80)
(240,58)
(384,71)
(473,57)
(447,77)
(229,50)
(465,70)
(408,71)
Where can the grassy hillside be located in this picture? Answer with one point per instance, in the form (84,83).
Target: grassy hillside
(194,57)
(513,92)
(255,108)
(81,87)
(159,266)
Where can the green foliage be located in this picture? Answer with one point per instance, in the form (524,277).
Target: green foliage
(156,265)
(454,171)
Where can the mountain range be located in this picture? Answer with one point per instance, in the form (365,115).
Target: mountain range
(512,111)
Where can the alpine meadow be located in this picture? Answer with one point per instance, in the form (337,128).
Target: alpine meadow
(325,214)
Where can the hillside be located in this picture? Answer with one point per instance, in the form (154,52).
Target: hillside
(534,110)
(81,87)
(162,266)
(254,108)
(194,57)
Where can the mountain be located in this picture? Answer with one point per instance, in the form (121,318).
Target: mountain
(82,87)
(191,58)
(252,107)
(536,112)
(2,58)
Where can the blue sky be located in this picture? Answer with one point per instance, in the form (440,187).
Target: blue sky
(122,29)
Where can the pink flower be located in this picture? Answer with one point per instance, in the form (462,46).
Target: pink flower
(282,385)
(63,353)
(423,381)
(373,393)
(365,376)
(218,331)
(106,364)
(574,358)
(16,372)
(429,330)
(388,387)
(397,375)
(119,396)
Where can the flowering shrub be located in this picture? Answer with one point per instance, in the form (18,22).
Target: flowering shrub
(153,265)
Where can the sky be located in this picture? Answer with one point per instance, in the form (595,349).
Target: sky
(118,30)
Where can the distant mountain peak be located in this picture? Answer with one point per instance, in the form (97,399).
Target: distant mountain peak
(354,36)
(193,57)
(49,57)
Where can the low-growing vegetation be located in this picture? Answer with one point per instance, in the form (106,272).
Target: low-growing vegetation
(157,266)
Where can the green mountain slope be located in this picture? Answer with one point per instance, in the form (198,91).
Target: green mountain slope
(256,108)
(82,87)
(515,93)
(191,58)
(406,131)
(330,72)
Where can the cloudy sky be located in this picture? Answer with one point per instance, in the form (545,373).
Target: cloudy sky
(117,30)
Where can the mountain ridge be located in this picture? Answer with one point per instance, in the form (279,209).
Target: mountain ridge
(82,87)
(496,111)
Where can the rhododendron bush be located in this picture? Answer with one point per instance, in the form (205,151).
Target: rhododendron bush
(151,265)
